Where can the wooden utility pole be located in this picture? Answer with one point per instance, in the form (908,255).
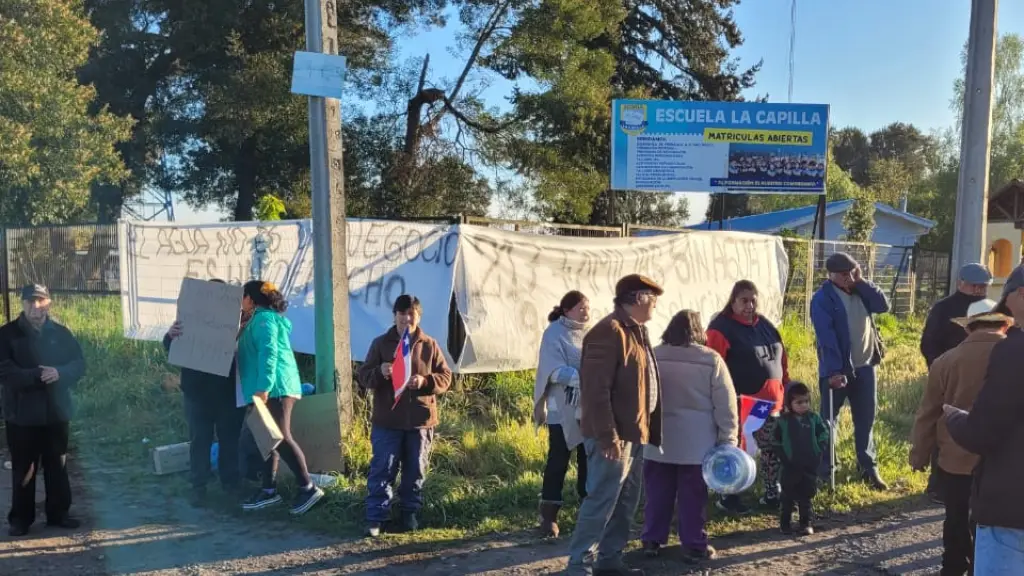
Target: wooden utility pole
(975,141)
(331,407)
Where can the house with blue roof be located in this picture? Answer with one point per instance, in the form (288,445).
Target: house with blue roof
(892,226)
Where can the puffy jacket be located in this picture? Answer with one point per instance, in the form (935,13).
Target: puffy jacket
(266,362)
(27,400)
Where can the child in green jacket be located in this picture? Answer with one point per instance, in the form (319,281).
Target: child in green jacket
(800,440)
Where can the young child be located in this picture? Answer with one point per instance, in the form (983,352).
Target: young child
(801,440)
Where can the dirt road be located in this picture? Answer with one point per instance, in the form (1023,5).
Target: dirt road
(140,532)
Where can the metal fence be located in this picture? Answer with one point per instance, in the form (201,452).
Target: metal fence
(84,259)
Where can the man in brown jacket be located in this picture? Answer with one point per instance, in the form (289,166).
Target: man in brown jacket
(955,378)
(620,402)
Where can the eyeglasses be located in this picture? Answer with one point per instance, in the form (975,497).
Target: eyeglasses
(646,296)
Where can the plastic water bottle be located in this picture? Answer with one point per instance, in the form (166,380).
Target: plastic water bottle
(728,470)
(214,453)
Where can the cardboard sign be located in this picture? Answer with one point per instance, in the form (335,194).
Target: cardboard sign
(263,427)
(316,426)
(209,315)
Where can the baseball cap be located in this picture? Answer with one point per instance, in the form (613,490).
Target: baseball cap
(35,292)
(975,273)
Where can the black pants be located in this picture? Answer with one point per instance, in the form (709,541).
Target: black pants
(797,488)
(209,416)
(30,446)
(558,464)
(288,450)
(934,486)
(957,528)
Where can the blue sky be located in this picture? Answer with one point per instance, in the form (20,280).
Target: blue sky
(873,61)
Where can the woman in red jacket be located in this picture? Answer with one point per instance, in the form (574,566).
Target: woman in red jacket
(753,351)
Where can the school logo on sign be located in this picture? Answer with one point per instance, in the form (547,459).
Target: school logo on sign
(633,118)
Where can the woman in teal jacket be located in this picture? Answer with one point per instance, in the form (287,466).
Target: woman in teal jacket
(268,373)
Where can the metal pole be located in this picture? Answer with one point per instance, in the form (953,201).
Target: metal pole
(333,352)
(975,139)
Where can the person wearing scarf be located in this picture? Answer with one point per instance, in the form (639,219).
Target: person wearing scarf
(753,351)
(556,403)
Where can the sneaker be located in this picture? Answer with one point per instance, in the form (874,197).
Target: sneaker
(373,529)
(872,478)
(409,522)
(66,522)
(805,531)
(17,531)
(652,549)
(734,506)
(694,556)
(306,499)
(261,499)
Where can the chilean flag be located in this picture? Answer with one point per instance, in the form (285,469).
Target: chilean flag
(401,368)
(753,413)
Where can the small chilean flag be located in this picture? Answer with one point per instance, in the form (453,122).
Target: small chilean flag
(401,369)
(753,413)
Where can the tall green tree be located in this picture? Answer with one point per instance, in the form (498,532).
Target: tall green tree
(859,220)
(53,148)
(582,55)
(851,151)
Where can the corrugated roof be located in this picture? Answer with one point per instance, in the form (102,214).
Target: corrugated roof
(794,217)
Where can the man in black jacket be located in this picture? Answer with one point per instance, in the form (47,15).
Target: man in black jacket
(210,407)
(40,361)
(994,430)
(941,334)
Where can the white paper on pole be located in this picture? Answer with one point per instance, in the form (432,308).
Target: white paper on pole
(318,74)
(385,260)
(507,283)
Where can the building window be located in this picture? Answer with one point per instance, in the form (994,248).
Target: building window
(1001,260)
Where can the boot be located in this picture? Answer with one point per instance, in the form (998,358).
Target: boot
(549,519)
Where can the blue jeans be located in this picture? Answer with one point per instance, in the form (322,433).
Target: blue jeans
(998,551)
(394,449)
(862,395)
(613,493)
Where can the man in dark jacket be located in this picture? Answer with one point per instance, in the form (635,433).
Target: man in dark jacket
(994,430)
(941,334)
(848,352)
(210,407)
(40,361)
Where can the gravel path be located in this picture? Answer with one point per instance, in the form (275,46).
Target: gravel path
(142,533)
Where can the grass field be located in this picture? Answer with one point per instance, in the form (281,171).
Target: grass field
(486,467)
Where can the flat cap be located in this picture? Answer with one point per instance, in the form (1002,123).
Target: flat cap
(840,262)
(35,292)
(636,283)
(974,273)
(1013,282)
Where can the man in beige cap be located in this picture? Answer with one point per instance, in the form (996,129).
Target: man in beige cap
(955,378)
(618,362)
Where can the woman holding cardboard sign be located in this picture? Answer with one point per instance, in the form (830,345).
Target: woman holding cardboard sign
(406,370)
(269,374)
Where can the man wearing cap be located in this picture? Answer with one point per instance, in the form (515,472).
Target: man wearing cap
(848,351)
(994,430)
(941,334)
(620,411)
(955,378)
(40,361)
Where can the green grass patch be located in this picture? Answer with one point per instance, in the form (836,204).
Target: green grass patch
(487,462)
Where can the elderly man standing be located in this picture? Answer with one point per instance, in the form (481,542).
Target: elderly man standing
(40,361)
(941,335)
(849,349)
(620,412)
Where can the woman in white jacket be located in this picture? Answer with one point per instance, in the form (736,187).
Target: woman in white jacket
(699,411)
(555,395)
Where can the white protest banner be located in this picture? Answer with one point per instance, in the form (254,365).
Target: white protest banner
(385,260)
(209,314)
(507,283)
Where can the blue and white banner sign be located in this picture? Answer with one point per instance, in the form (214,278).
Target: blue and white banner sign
(667,146)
